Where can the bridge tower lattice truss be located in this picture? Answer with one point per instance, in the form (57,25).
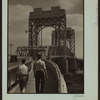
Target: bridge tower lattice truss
(69,36)
(39,19)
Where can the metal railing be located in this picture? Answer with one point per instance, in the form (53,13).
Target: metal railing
(62,88)
(12,75)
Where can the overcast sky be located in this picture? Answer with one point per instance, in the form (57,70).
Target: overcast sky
(18,21)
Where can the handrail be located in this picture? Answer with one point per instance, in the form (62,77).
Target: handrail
(62,88)
(28,60)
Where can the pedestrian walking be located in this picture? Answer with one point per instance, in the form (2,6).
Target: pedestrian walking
(40,73)
(23,76)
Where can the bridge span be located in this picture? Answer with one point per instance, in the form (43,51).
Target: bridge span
(54,84)
(61,51)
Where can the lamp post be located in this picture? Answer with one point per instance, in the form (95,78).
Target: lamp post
(11,45)
(41,37)
(27,31)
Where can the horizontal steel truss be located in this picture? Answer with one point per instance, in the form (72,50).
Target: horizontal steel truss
(27,51)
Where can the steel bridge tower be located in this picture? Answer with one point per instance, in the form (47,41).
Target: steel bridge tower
(62,50)
(69,35)
(40,19)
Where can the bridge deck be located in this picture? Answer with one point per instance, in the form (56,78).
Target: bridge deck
(50,84)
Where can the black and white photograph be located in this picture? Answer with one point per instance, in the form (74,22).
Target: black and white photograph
(45,47)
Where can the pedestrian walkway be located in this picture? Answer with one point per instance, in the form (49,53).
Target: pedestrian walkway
(31,83)
(51,85)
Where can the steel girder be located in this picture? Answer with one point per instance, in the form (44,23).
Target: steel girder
(71,39)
